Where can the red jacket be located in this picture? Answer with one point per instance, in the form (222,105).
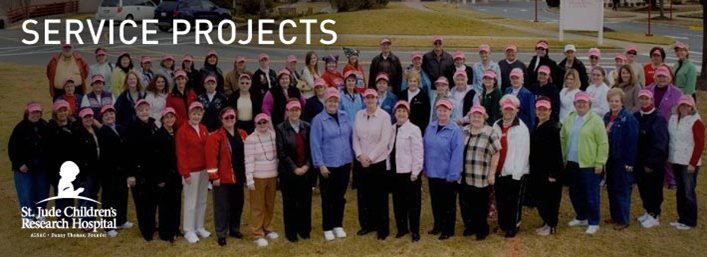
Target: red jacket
(83,69)
(176,101)
(218,156)
(190,149)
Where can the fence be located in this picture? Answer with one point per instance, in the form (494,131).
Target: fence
(38,10)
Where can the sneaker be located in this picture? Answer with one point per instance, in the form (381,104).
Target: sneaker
(203,233)
(643,217)
(592,229)
(272,235)
(339,232)
(112,233)
(126,225)
(577,223)
(329,235)
(543,228)
(650,222)
(681,226)
(544,231)
(674,223)
(261,242)
(191,237)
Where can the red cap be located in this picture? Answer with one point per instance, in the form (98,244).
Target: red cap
(291,58)
(594,52)
(331,92)
(210,78)
(67,80)
(508,105)
(370,92)
(350,73)
(489,74)
(229,112)
(631,48)
(543,103)
(196,104)
(544,69)
(582,96)
(459,55)
(168,110)
(263,56)
(85,112)
(402,103)
(67,45)
(141,102)
(485,48)
(688,100)
(445,103)
(442,80)
(516,73)
(620,57)
(58,104)
(180,73)
(293,104)
(681,45)
(646,93)
(382,76)
(167,57)
(188,57)
(106,108)
(385,41)
(261,117)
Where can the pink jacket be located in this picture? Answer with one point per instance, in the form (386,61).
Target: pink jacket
(408,149)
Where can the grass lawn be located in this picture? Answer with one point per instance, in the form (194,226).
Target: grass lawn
(497,44)
(25,83)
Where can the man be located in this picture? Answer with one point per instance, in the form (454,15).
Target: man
(388,63)
(437,61)
(571,62)
(102,67)
(291,66)
(264,78)
(511,62)
(66,65)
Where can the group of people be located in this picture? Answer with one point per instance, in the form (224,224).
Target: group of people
(503,136)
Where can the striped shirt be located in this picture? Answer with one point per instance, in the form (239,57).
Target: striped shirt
(478,152)
(260,156)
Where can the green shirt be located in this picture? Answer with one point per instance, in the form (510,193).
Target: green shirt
(593,141)
(685,78)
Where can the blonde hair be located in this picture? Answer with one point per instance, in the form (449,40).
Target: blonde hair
(413,74)
(615,92)
(575,74)
(140,87)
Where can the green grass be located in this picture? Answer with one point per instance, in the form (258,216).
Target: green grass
(25,83)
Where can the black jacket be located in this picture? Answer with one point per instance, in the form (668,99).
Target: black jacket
(468,102)
(112,151)
(165,154)
(390,66)
(434,68)
(286,150)
(449,73)
(57,139)
(260,82)
(140,140)
(25,146)
(546,152)
(550,91)
(212,109)
(311,108)
(87,151)
(532,72)
(653,140)
(257,103)
(419,109)
(212,70)
(581,69)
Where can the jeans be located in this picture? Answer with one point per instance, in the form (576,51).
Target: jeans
(584,192)
(31,187)
(685,195)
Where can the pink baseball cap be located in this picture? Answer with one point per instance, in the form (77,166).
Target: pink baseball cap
(686,99)
(508,105)
(293,104)
(385,41)
(261,117)
(100,52)
(445,103)
(319,83)
(228,112)
(620,57)
(67,80)
(437,38)
(485,48)
(442,80)
(415,55)
(544,69)
(145,59)
(61,103)
(97,78)
(331,92)
(516,73)
(67,45)
(188,57)
(196,104)
(477,109)
(631,48)
(582,96)
(511,47)
(212,52)
(402,103)
(167,57)
(244,75)
(180,73)
(662,71)
(283,72)
(543,103)
(489,74)
(210,78)
(460,73)
(370,92)
(291,58)
(85,112)
(646,93)
(240,58)
(459,55)
(168,110)
(542,45)
(382,76)
(594,52)
(141,102)
(681,45)
(350,73)
(263,56)
(106,108)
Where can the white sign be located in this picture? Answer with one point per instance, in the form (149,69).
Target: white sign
(582,15)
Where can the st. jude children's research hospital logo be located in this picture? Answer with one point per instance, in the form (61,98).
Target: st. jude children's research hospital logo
(87,216)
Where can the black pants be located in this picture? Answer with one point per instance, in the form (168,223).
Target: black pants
(333,192)
(228,205)
(170,207)
(650,187)
(372,196)
(548,198)
(509,195)
(685,195)
(115,195)
(297,204)
(443,197)
(474,204)
(145,196)
(407,197)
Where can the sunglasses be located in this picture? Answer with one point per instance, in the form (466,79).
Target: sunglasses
(631,53)
(593,57)
(262,123)
(438,43)
(229,117)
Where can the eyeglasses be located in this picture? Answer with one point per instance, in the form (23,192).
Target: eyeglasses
(438,43)
(656,55)
(631,53)
(593,57)
(229,117)
(262,123)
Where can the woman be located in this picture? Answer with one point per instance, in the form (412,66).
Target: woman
(627,82)
(145,70)
(310,74)
(585,149)
(386,98)
(232,78)
(71,96)
(594,56)
(687,140)
(169,181)
(296,177)
(192,76)
(442,93)
(245,104)
(443,161)
(225,161)
(481,152)
(685,72)
(666,99)
(569,90)
(424,82)
(315,104)
(351,101)
(371,129)
(261,178)
(353,65)
(485,63)
(622,130)
(490,97)
(133,91)
(57,135)
(275,101)
(546,174)
(211,68)
(25,150)
(332,77)
(462,95)
(123,65)
(547,88)
(512,165)
(213,102)
(88,153)
(190,146)
(631,53)
(527,98)
(142,178)
(597,89)
(653,142)
(542,58)
(332,155)
(406,159)
(657,60)
(264,77)
(418,100)
(156,96)
(180,98)
(613,76)
(98,97)
(102,67)
(167,69)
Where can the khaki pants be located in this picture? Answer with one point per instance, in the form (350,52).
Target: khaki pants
(262,203)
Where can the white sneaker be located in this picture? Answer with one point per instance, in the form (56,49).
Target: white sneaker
(592,229)
(203,233)
(577,223)
(543,228)
(126,225)
(650,222)
(674,223)
(191,237)
(272,235)
(681,226)
(643,217)
(261,242)
(328,235)
(112,233)
(339,232)
(544,231)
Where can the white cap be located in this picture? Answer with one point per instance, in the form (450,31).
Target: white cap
(570,48)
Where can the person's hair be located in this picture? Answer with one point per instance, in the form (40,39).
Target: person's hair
(615,92)
(677,111)
(355,65)
(137,76)
(220,114)
(603,73)
(173,67)
(660,49)
(308,58)
(152,87)
(511,98)
(575,74)
(544,98)
(413,74)
(619,80)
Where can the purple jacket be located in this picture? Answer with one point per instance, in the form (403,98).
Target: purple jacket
(670,99)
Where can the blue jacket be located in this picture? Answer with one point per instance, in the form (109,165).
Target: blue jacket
(527,106)
(331,140)
(623,137)
(351,105)
(125,108)
(311,108)
(653,140)
(425,82)
(444,151)
(389,103)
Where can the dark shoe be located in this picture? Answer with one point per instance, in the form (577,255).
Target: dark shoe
(236,234)
(222,241)
(292,239)
(382,237)
(415,237)
(481,236)
(511,234)
(364,232)
(444,237)
(553,230)
(304,236)
(620,227)
(468,232)
(148,239)
(400,234)
(609,221)
(433,232)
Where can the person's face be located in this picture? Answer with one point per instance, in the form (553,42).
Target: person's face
(625,75)
(382,85)
(594,60)
(569,81)
(109,117)
(662,80)
(195,116)
(34,116)
(143,112)
(516,81)
(437,45)
(569,55)
(616,103)
(582,107)
(543,113)
(240,65)
(98,87)
(543,77)
(488,83)
(630,56)
(292,66)
(484,55)
(62,114)
(684,109)
(656,58)
(210,86)
(350,82)
(401,115)
(67,51)
(443,113)
(169,120)
(181,82)
(332,105)
(187,64)
(371,101)
(645,101)
(263,63)
(413,83)
(69,88)
(244,84)
(681,53)
(459,81)
(146,65)
(87,121)
(132,81)
(509,113)
(262,126)
(477,120)
(539,51)
(353,59)
(510,55)
(124,61)
(313,61)
(284,81)
(101,58)
(229,121)
(294,114)
(442,89)
(168,63)
(160,84)
(331,66)
(385,48)
(459,62)
(212,59)
(597,77)
(619,62)
(417,62)
(320,90)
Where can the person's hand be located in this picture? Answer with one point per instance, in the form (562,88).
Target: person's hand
(648,170)
(131,181)
(691,169)
(492,180)
(460,121)
(597,170)
(216,182)
(161,184)
(251,187)
(413,178)
(324,171)
(187,180)
(628,168)
(97,123)
(551,179)
(24,168)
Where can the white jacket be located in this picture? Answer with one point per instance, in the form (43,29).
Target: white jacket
(682,142)
(518,152)
(409,150)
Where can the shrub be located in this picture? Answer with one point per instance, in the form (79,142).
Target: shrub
(353,5)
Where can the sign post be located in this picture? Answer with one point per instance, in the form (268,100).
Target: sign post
(582,15)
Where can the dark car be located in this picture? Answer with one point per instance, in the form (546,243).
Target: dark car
(189,10)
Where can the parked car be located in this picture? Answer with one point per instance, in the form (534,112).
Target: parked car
(120,10)
(189,10)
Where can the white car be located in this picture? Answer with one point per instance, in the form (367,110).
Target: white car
(120,10)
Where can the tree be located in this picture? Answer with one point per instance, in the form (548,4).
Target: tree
(702,81)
